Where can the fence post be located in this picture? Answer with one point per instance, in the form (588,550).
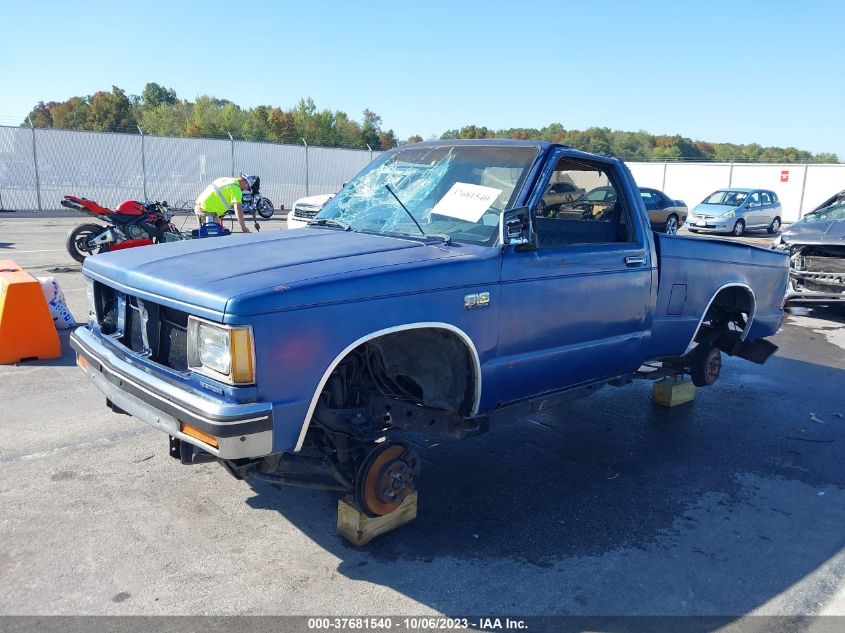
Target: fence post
(371,152)
(803,187)
(232,143)
(143,163)
(731,175)
(663,186)
(306,166)
(35,164)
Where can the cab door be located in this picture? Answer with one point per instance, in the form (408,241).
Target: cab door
(577,308)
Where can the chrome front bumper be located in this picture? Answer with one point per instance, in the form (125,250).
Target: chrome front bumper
(241,430)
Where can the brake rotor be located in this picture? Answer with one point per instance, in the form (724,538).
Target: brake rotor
(386,477)
(713,367)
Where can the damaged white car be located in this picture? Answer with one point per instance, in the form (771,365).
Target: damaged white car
(816,245)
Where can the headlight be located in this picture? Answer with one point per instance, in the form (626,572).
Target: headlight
(221,351)
(728,214)
(92,302)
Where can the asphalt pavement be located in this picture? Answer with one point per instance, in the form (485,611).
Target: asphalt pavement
(733,504)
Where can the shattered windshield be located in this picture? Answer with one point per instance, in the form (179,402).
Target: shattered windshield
(444,190)
(833,212)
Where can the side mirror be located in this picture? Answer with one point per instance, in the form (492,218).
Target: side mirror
(515,227)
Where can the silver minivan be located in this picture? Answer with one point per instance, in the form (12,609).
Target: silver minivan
(736,211)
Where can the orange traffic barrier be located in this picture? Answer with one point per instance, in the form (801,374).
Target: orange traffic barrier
(26,327)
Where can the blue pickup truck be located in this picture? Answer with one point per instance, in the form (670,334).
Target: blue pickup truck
(432,291)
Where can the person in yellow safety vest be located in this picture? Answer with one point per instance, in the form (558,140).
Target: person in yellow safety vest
(222,195)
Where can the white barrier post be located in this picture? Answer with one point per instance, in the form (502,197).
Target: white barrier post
(143,164)
(232,152)
(306,166)
(35,164)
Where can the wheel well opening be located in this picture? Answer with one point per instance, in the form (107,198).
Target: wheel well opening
(732,309)
(428,366)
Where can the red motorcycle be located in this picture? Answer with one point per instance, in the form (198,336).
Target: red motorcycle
(132,224)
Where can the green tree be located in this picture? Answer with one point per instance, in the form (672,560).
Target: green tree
(155,95)
(159,111)
(164,120)
(348,131)
(71,114)
(203,118)
(110,111)
(387,140)
(283,127)
(370,129)
(40,116)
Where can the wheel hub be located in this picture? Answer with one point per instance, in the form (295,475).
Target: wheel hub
(714,367)
(385,478)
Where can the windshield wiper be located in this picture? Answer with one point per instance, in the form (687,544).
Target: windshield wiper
(330,222)
(410,215)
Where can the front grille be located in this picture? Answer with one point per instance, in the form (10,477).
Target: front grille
(830,265)
(173,340)
(306,213)
(133,330)
(159,332)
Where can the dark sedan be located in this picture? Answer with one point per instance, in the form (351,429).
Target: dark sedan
(816,246)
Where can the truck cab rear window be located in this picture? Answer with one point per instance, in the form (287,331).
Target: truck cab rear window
(587,210)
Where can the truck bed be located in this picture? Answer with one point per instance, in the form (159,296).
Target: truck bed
(685,293)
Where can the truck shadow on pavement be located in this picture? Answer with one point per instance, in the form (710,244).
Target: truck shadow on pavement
(613,505)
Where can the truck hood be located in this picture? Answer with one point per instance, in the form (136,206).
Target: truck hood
(822,232)
(265,272)
(712,210)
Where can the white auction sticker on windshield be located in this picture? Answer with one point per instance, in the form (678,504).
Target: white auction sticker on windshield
(466,202)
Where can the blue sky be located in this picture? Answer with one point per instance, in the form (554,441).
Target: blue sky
(768,72)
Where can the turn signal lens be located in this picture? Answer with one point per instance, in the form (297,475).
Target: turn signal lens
(195,433)
(243,367)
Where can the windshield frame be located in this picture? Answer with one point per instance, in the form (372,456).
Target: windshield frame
(521,187)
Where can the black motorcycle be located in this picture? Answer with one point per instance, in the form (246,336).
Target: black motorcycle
(254,202)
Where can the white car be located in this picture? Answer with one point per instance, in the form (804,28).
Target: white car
(305,209)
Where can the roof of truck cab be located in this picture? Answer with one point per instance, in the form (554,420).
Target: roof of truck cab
(490,141)
(543,147)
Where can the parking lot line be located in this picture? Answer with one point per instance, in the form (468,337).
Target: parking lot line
(58,250)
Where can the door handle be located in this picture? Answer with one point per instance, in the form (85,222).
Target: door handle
(634,261)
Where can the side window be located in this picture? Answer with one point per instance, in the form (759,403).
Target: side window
(754,200)
(594,214)
(767,199)
(651,199)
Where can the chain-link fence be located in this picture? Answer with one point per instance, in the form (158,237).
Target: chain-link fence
(39,166)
